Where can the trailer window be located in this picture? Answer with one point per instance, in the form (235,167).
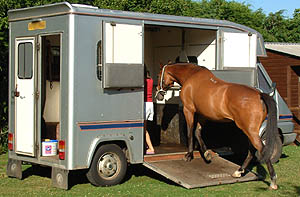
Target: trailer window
(25,60)
(263,83)
(99,60)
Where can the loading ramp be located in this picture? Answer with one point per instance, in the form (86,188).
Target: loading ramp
(196,173)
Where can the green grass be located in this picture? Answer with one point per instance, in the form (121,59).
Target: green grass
(143,182)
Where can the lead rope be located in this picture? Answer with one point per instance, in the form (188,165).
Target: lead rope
(161,82)
(162,77)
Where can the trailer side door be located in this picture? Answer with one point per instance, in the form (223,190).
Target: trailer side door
(25,95)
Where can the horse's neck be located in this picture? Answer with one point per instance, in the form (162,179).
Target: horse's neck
(182,73)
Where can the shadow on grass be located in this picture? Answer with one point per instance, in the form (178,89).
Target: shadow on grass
(75,176)
(284,156)
(140,170)
(297,188)
(37,170)
(78,177)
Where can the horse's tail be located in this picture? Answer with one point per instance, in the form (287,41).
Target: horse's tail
(271,128)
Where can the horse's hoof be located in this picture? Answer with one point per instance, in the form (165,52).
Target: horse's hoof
(237,174)
(273,186)
(207,155)
(188,157)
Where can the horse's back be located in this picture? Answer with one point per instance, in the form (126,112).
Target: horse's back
(205,94)
(218,99)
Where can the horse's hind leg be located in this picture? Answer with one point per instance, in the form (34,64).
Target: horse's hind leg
(258,145)
(241,170)
(270,168)
(272,175)
(203,150)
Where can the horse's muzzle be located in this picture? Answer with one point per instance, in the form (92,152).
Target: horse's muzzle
(160,95)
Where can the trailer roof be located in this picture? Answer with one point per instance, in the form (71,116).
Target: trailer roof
(65,8)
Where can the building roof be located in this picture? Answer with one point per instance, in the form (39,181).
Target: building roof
(287,48)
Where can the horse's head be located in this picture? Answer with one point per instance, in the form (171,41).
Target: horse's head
(164,82)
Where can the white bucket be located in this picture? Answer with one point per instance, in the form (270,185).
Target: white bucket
(49,148)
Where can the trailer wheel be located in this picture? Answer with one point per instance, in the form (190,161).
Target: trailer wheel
(277,147)
(108,167)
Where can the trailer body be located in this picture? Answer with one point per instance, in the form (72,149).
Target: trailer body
(76,75)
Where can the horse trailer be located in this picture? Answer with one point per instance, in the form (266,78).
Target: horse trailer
(76,90)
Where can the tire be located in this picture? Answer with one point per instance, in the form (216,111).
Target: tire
(277,148)
(108,167)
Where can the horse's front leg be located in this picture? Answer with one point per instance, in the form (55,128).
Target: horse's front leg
(189,155)
(189,117)
(206,155)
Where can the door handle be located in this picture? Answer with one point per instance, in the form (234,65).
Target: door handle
(16,93)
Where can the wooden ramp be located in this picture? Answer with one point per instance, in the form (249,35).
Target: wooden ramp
(196,173)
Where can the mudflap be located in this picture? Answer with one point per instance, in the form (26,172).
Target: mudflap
(60,178)
(14,168)
(197,173)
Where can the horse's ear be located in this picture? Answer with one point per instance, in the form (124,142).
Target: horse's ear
(161,65)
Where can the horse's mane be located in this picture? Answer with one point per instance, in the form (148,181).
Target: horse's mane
(182,71)
(188,65)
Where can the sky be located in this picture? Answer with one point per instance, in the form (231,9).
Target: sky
(274,5)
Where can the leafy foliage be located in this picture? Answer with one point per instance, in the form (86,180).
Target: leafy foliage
(275,27)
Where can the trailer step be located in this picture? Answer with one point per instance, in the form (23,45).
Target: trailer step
(196,173)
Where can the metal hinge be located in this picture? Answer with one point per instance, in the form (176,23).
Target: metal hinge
(38,46)
(37,147)
(37,95)
(99,71)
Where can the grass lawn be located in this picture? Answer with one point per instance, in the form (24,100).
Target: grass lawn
(143,182)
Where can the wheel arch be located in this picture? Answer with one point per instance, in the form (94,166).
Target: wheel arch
(97,143)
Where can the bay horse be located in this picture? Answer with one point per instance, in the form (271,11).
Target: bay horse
(214,99)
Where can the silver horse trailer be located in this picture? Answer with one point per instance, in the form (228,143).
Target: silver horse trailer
(76,94)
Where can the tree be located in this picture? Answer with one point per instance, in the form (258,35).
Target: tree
(171,7)
(276,25)
(293,27)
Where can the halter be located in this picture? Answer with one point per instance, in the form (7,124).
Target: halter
(161,90)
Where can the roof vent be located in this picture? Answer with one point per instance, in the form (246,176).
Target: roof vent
(84,6)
